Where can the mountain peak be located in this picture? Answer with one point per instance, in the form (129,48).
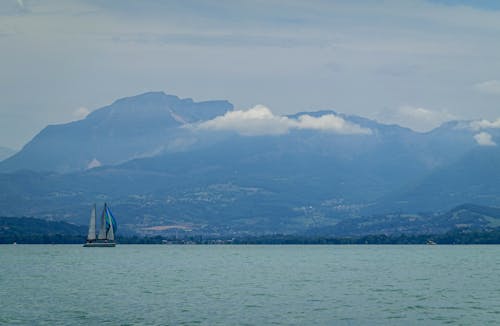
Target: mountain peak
(145,97)
(159,107)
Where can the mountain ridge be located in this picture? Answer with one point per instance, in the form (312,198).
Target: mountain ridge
(148,157)
(130,127)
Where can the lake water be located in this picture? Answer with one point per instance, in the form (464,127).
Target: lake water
(249,285)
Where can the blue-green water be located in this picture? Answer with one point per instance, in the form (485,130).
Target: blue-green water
(249,285)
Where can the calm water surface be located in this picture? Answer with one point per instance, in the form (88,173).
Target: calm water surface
(249,285)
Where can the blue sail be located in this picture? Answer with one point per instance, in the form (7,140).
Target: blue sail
(110,220)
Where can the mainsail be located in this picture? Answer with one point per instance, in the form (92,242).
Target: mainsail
(91,235)
(102,229)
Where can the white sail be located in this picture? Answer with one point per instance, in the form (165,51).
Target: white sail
(91,235)
(102,230)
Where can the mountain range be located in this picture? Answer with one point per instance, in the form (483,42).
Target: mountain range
(167,163)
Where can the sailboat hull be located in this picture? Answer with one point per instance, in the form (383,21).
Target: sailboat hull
(99,244)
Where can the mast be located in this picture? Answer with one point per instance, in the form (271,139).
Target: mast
(102,230)
(91,235)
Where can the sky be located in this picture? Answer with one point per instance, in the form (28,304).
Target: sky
(415,63)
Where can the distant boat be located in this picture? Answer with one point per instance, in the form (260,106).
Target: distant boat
(106,236)
(430,242)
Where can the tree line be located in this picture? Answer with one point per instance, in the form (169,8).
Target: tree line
(491,236)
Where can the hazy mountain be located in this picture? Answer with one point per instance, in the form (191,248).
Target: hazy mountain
(475,177)
(6,152)
(465,217)
(131,127)
(159,169)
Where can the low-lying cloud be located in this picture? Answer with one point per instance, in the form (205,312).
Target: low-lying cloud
(93,164)
(485,124)
(259,120)
(484,139)
(416,118)
(329,122)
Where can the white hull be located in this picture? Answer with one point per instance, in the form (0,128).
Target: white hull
(99,244)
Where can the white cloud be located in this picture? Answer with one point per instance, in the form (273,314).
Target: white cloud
(259,120)
(94,164)
(416,118)
(485,124)
(328,122)
(484,139)
(81,113)
(490,87)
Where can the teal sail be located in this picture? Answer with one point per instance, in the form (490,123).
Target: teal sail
(110,220)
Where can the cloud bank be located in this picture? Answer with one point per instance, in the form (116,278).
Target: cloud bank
(93,164)
(259,120)
(485,124)
(329,122)
(416,118)
(484,139)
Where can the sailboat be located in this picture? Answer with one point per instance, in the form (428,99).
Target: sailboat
(106,236)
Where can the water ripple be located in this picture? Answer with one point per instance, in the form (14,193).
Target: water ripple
(249,285)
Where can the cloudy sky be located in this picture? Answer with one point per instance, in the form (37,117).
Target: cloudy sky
(416,63)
